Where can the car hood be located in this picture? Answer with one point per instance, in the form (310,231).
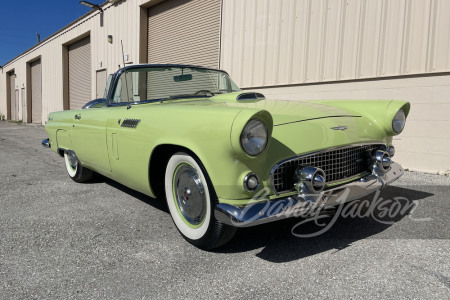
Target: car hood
(283,112)
(286,112)
(306,126)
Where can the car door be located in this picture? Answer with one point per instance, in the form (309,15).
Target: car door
(128,133)
(89,137)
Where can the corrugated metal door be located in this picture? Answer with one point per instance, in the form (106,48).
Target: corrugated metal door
(79,73)
(101,83)
(12,87)
(184,32)
(36,92)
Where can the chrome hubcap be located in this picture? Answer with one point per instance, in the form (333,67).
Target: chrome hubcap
(73,161)
(190,194)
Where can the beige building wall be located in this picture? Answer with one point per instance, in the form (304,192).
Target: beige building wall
(350,49)
(270,43)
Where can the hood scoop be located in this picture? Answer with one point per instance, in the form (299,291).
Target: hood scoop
(239,97)
(250,96)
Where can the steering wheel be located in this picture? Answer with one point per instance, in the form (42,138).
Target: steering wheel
(204,92)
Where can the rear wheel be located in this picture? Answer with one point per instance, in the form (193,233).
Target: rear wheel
(191,200)
(76,171)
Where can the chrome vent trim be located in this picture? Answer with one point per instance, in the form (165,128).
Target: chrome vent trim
(250,96)
(130,123)
(338,163)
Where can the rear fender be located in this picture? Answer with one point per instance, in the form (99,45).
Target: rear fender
(63,139)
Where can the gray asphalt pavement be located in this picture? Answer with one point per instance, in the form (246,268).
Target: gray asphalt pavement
(63,240)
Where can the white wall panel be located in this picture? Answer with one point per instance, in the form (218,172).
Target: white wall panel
(248,38)
(349,39)
(441,51)
(301,33)
(416,36)
(313,43)
(305,41)
(394,21)
(370,42)
(330,41)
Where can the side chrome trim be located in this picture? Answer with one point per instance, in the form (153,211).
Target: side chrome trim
(272,184)
(269,211)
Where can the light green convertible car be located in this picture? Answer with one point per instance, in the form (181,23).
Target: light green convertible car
(225,158)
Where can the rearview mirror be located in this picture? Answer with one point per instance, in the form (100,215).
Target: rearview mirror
(182,78)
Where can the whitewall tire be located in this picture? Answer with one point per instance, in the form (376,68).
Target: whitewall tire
(191,200)
(76,171)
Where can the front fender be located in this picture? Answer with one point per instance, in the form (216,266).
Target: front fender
(379,112)
(225,165)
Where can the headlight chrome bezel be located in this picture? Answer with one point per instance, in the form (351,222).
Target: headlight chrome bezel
(399,121)
(254,123)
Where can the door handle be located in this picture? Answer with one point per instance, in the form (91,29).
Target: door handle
(77,117)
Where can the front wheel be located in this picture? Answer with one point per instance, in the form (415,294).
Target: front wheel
(191,200)
(76,171)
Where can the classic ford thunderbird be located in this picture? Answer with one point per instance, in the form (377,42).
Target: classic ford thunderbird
(223,158)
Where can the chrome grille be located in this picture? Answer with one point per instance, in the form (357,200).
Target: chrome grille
(338,164)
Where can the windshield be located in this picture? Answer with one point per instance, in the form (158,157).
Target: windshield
(165,83)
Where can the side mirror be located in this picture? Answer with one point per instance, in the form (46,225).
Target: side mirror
(95,103)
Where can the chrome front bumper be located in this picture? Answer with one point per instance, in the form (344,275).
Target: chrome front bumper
(269,211)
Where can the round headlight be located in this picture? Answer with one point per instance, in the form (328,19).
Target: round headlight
(254,137)
(398,123)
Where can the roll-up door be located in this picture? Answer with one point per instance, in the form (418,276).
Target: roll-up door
(184,32)
(79,73)
(12,99)
(36,92)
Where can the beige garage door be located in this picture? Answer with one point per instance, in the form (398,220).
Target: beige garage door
(184,32)
(36,92)
(79,73)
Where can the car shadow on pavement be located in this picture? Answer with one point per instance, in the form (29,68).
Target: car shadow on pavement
(280,244)
(153,202)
